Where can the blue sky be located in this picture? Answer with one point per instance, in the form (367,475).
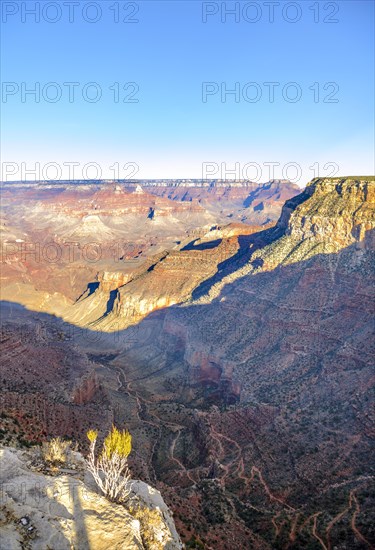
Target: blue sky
(169,54)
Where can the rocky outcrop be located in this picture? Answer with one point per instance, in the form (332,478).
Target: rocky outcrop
(171,280)
(123,298)
(328,216)
(335,210)
(65,511)
(86,389)
(112,280)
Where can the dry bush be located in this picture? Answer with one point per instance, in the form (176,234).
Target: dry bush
(110,468)
(152,523)
(55,451)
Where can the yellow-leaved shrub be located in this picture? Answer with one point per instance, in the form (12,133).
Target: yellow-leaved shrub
(110,467)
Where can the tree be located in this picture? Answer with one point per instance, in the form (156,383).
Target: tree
(110,468)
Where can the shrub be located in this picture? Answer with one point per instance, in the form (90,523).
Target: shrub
(194,543)
(55,451)
(151,521)
(110,468)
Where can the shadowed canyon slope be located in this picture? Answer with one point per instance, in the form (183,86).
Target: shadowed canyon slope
(249,392)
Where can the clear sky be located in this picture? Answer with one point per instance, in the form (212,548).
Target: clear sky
(179,122)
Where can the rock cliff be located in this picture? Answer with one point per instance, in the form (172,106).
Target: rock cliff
(329,215)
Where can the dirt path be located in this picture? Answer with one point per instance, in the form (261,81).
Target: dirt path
(358,534)
(177,461)
(228,448)
(236,466)
(143,414)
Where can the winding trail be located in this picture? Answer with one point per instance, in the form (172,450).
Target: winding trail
(228,448)
(353,503)
(177,461)
(236,466)
(353,498)
(239,468)
(315,530)
(144,411)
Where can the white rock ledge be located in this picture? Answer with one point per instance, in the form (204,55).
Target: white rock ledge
(41,512)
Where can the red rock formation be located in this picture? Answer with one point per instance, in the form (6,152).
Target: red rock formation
(86,389)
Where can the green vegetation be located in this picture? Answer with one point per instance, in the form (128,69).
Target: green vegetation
(194,543)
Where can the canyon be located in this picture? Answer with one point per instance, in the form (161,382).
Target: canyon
(67,241)
(228,325)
